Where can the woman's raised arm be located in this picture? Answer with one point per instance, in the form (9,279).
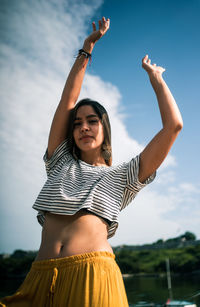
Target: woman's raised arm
(72,88)
(156,151)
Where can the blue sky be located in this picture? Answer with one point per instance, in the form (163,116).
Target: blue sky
(169,32)
(38,42)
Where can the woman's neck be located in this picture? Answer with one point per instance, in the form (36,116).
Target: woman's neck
(93,158)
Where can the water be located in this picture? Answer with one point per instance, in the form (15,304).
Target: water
(149,289)
(154,289)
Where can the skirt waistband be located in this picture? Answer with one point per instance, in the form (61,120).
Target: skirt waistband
(70,260)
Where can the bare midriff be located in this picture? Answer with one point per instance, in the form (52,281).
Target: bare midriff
(67,235)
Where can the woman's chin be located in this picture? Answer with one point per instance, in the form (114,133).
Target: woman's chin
(86,149)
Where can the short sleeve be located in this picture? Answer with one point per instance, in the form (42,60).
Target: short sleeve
(60,152)
(133,185)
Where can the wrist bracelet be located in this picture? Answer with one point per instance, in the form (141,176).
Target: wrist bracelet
(85,53)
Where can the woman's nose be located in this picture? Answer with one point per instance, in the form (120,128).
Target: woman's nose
(84,127)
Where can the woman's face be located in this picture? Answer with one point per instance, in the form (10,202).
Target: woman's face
(88,129)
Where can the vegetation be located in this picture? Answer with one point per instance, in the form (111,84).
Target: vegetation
(17,264)
(182,260)
(183,252)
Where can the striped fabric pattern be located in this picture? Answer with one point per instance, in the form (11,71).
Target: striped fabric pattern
(73,185)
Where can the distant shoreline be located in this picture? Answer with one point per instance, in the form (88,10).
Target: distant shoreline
(159,275)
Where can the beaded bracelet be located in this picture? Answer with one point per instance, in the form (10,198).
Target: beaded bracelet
(85,53)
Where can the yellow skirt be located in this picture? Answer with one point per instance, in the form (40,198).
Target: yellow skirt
(86,280)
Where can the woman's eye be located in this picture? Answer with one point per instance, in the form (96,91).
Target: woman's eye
(90,122)
(93,121)
(77,124)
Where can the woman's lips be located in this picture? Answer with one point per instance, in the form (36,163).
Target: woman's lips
(86,137)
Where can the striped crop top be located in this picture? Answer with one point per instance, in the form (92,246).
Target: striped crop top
(73,185)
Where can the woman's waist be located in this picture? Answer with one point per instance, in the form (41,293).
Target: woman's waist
(63,237)
(74,235)
(75,245)
(82,222)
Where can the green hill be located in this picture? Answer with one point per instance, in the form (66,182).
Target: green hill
(183,252)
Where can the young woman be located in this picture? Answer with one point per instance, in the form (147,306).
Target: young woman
(79,204)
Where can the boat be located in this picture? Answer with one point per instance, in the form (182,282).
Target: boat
(170,302)
(143,304)
(176,303)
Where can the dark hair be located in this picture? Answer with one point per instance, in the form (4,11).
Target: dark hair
(103,115)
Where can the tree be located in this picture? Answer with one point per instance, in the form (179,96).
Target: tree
(189,236)
(19,254)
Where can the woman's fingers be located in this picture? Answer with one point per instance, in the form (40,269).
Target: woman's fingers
(108,22)
(146,64)
(98,33)
(100,24)
(145,59)
(163,69)
(94,26)
(104,23)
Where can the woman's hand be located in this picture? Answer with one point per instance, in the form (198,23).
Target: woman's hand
(104,25)
(156,151)
(151,69)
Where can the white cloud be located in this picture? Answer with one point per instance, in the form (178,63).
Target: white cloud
(158,214)
(166,177)
(110,97)
(188,187)
(41,40)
